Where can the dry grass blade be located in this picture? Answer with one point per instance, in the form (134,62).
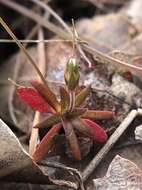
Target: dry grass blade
(53,13)
(34,132)
(106,59)
(22,48)
(34,41)
(99,56)
(35,17)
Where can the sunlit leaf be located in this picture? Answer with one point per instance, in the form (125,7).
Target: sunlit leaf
(72,139)
(48,95)
(80,98)
(46,143)
(97,114)
(48,122)
(31,97)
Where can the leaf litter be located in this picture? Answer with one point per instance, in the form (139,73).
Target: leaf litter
(113,95)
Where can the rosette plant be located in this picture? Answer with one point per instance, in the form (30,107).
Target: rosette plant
(64,112)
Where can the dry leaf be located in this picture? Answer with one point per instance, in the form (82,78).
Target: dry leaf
(17,166)
(14,160)
(106,33)
(138,133)
(122,174)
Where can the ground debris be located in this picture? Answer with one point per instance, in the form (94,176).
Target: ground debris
(121,174)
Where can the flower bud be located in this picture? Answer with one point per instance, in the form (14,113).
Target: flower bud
(71,74)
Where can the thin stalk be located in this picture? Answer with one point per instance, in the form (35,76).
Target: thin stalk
(54,14)
(72,100)
(35,17)
(9,31)
(34,41)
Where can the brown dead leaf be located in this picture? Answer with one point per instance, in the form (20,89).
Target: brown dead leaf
(121,174)
(14,159)
(106,33)
(17,166)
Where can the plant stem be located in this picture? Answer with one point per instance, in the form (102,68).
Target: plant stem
(72,100)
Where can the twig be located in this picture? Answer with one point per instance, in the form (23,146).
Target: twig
(109,144)
(35,41)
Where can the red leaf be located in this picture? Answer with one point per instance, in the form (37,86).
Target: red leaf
(97,131)
(34,99)
(90,129)
(97,114)
(46,143)
(72,139)
(47,94)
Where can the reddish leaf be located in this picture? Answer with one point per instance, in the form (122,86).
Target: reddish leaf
(97,131)
(97,114)
(34,99)
(47,94)
(46,143)
(72,139)
(82,127)
(80,98)
(90,129)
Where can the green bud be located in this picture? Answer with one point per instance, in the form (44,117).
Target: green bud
(71,74)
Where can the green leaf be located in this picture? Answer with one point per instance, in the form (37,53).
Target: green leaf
(47,94)
(80,98)
(65,99)
(46,143)
(71,74)
(72,139)
(97,114)
(51,120)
